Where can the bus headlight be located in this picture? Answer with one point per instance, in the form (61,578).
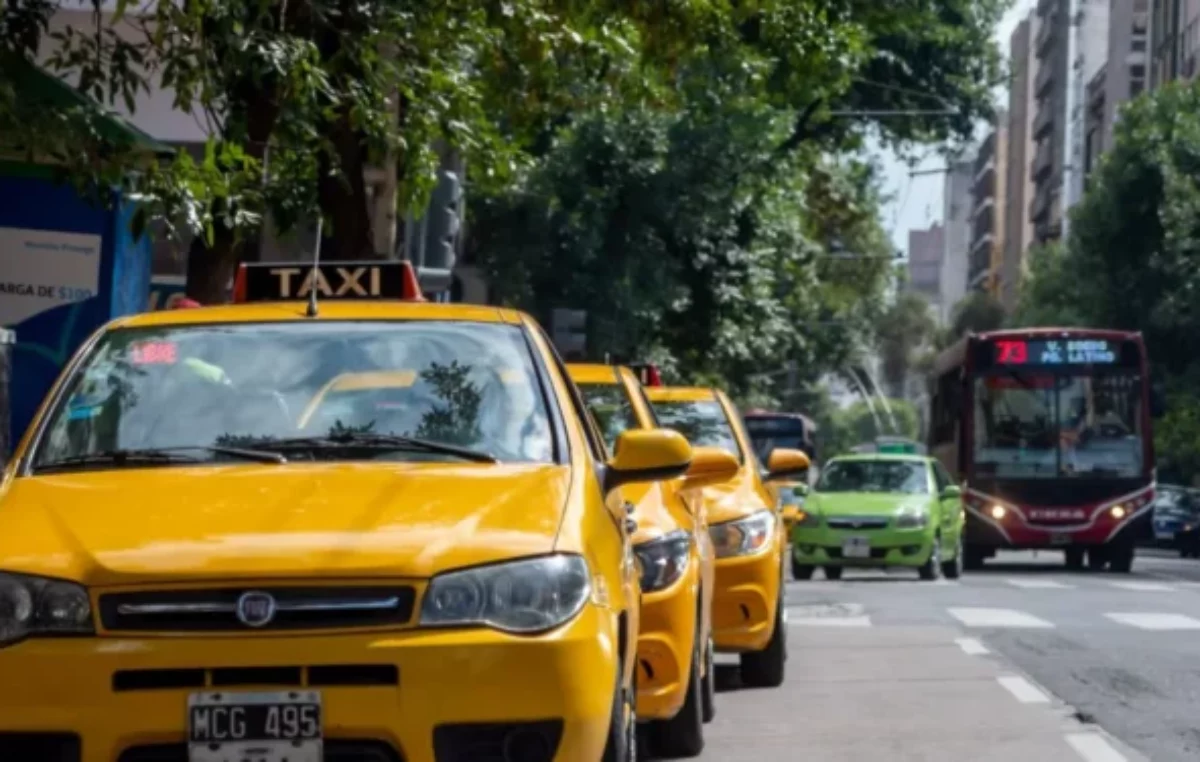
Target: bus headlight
(1119,512)
(998,512)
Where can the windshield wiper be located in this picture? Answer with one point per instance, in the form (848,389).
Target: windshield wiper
(367,440)
(162,456)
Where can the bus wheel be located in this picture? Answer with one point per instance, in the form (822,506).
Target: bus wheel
(1121,558)
(1097,558)
(1074,558)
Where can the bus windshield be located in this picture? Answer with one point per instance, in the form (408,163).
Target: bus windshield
(767,433)
(1031,425)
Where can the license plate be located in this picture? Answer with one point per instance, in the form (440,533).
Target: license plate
(856,547)
(255,727)
(1060,538)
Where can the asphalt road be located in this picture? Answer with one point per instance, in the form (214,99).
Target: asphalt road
(1022,660)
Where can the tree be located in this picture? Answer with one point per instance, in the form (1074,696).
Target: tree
(904,329)
(1047,296)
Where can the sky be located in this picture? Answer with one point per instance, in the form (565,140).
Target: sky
(917,201)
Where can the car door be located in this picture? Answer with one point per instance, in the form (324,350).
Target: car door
(950,508)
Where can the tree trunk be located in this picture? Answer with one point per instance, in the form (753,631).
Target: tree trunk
(210,269)
(343,197)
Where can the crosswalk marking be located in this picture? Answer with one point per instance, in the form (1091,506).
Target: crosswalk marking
(1032,583)
(1023,690)
(971,646)
(1144,587)
(1093,748)
(1146,620)
(982,617)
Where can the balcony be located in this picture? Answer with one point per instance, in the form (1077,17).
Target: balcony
(1045,78)
(1043,160)
(1043,121)
(1046,36)
(983,204)
(1046,6)
(984,225)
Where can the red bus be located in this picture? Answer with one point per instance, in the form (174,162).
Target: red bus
(1049,430)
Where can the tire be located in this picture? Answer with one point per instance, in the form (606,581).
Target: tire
(766,668)
(931,569)
(708,684)
(1120,558)
(801,571)
(622,745)
(682,736)
(1097,558)
(953,568)
(1073,557)
(833,572)
(973,558)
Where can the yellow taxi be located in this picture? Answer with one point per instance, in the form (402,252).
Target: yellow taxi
(375,530)
(676,682)
(746,526)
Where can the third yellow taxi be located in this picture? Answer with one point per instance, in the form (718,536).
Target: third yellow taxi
(676,682)
(382,529)
(746,526)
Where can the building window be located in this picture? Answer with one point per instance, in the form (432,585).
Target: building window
(1138,45)
(1137,71)
(1136,86)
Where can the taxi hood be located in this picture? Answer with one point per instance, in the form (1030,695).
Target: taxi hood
(278,522)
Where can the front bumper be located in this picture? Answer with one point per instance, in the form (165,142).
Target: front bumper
(1014,532)
(822,546)
(665,646)
(745,600)
(445,685)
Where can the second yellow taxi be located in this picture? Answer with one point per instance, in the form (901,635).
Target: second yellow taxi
(676,683)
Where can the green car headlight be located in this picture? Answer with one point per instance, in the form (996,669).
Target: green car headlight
(912,519)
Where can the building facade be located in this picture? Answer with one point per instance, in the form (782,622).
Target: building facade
(925,253)
(957,218)
(989,204)
(1090,53)
(1050,89)
(1019,189)
(1175,38)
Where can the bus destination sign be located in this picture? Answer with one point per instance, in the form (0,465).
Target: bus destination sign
(1055,352)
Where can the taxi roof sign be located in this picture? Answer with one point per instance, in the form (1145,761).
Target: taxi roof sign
(286,281)
(647,373)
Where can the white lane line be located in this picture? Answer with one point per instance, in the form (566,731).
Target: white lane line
(971,646)
(828,615)
(979,617)
(844,621)
(1093,748)
(1023,690)
(1038,584)
(1145,620)
(1144,587)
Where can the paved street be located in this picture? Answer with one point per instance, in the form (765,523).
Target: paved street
(1022,660)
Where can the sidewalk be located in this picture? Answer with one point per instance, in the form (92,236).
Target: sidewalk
(907,694)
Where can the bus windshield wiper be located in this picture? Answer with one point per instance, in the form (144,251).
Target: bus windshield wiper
(159,456)
(368,440)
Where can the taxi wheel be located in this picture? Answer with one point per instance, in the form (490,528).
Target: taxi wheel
(765,668)
(953,568)
(708,685)
(833,572)
(622,745)
(682,736)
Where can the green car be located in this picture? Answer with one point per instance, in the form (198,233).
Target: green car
(876,510)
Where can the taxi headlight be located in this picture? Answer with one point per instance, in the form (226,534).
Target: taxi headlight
(31,606)
(663,561)
(526,596)
(743,536)
(912,519)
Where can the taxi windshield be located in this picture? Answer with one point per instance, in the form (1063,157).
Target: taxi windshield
(702,422)
(611,408)
(887,476)
(410,390)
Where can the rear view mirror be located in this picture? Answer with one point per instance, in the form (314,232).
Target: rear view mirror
(647,455)
(710,465)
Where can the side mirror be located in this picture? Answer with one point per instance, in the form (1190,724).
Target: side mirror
(790,513)
(647,455)
(710,465)
(785,464)
(952,492)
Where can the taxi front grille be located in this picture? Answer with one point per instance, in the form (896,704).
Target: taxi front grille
(335,750)
(234,609)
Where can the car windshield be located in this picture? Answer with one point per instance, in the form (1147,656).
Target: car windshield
(460,384)
(891,476)
(1048,425)
(702,422)
(611,408)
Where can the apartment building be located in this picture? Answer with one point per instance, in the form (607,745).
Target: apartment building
(957,216)
(988,210)
(1175,35)
(926,249)
(1050,90)
(1090,28)
(1019,189)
